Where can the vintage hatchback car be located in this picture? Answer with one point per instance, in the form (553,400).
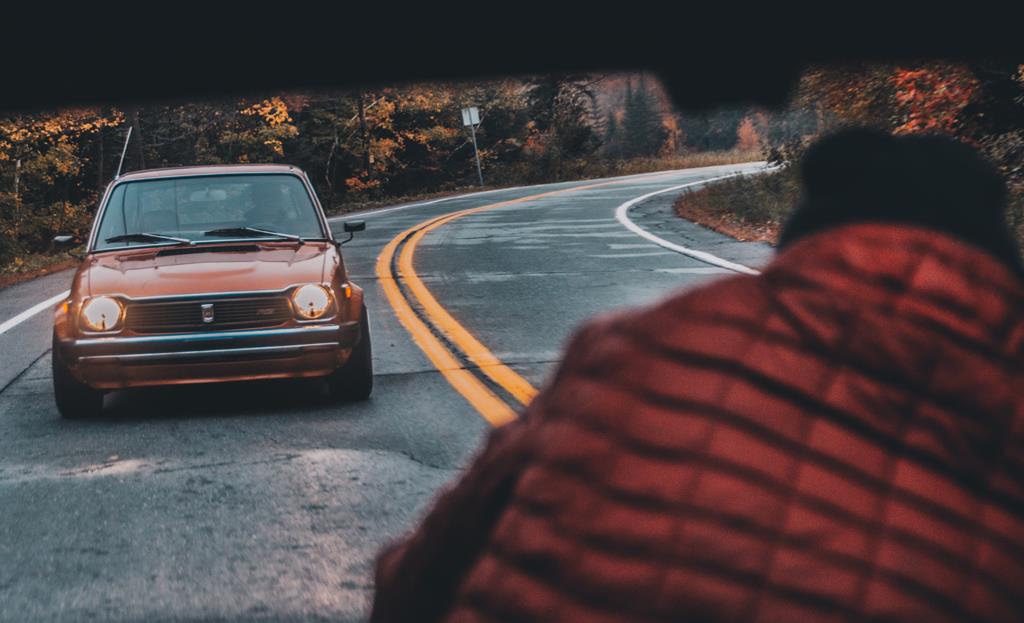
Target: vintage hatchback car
(205,274)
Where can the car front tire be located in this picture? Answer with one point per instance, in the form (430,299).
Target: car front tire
(75,400)
(354,380)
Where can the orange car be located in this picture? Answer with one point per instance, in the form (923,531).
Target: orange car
(205,274)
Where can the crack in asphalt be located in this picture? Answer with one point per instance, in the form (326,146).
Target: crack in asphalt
(279,458)
(18,376)
(412,457)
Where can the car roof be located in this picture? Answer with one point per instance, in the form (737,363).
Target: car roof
(217,169)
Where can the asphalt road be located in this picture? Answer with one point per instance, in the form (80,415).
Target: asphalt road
(250,502)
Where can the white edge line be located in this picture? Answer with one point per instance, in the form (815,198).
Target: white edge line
(32,311)
(622,215)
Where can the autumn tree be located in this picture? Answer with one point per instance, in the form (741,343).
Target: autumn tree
(43,159)
(932,98)
(747,137)
(257,131)
(562,121)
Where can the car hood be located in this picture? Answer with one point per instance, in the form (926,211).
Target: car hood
(202,270)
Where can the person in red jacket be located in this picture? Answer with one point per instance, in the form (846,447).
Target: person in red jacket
(840,438)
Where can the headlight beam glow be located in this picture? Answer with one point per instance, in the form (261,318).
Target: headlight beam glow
(311,301)
(102,314)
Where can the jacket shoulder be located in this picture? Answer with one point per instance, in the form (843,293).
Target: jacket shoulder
(616,352)
(738,298)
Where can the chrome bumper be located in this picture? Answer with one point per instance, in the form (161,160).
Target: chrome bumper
(213,354)
(178,346)
(216,355)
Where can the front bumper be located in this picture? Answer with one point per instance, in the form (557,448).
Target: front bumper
(133,361)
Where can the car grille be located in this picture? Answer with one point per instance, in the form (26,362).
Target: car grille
(228,313)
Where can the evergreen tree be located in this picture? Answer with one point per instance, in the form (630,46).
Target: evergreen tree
(611,136)
(712,131)
(561,105)
(641,124)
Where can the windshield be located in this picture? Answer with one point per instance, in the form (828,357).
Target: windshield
(195,208)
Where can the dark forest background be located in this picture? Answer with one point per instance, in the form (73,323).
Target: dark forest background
(981,104)
(376,144)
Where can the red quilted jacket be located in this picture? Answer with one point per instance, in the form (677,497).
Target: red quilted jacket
(838,439)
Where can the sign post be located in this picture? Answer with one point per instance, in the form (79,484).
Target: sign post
(471,118)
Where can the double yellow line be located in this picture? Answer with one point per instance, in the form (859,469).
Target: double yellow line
(486,402)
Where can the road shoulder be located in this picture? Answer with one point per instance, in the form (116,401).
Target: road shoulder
(658,216)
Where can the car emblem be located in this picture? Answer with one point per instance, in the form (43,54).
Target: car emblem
(207,312)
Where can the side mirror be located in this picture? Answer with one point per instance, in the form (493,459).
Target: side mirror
(66,243)
(350,228)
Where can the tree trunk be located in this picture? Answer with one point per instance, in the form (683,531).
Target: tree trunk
(364,135)
(329,174)
(17,181)
(100,180)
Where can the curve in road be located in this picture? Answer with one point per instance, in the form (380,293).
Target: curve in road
(450,346)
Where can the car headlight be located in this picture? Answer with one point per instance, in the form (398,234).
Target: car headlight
(311,301)
(102,313)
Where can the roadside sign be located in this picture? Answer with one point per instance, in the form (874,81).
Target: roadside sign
(470,116)
(471,119)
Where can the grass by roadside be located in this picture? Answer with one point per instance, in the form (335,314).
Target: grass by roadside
(34,265)
(753,208)
(680,161)
(749,208)
(583,170)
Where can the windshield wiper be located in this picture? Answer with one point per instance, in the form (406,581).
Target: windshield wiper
(146,237)
(250,232)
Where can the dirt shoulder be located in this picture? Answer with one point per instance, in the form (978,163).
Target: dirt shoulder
(35,266)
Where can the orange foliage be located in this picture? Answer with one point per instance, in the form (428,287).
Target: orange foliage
(272,112)
(673,134)
(933,98)
(746,134)
(362,184)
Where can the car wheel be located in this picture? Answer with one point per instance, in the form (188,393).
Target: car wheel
(354,380)
(74,399)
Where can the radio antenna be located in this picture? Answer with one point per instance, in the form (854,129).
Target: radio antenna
(124,150)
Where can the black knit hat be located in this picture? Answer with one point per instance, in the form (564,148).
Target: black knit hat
(861,175)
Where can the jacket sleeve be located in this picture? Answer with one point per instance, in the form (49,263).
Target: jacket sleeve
(417,579)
